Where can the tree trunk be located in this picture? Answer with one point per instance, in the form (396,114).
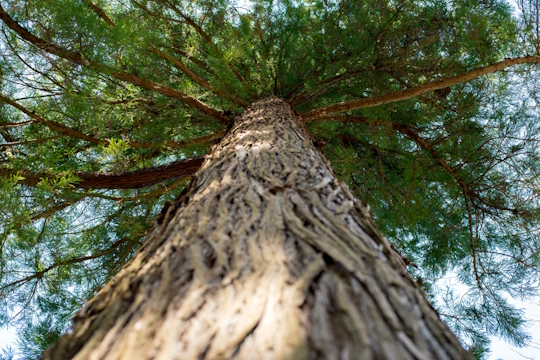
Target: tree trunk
(267,256)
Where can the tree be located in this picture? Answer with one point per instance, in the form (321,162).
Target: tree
(424,109)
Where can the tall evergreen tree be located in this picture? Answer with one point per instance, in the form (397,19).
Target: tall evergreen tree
(192,162)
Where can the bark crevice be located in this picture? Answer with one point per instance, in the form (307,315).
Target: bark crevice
(267,256)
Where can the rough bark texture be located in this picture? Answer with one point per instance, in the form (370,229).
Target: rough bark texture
(267,256)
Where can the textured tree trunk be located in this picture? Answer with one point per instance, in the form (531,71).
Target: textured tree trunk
(267,256)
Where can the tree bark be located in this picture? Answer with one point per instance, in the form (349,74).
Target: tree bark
(266,256)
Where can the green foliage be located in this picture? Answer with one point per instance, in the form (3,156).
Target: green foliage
(452,175)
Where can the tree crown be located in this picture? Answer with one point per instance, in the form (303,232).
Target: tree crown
(426,109)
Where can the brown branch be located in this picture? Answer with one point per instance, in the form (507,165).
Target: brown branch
(69,202)
(199,63)
(99,11)
(471,237)
(290,96)
(33,68)
(347,119)
(125,180)
(51,210)
(516,259)
(33,141)
(195,60)
(105,142)
(52,124)
(148,195)
(159,192)
(11,125)
(418,90)
(179,144)
(39,274)
(207,38)
(424,144)
(405,130)
(306,96)
(156,15)
(79,59)
(179,65)
(6,135)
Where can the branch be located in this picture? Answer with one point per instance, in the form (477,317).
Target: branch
(79,59)
(105,142)
(11,125)
(33,141)
(125,180)
(179,65)
(303,96)
(418,90)
(52,210)
(39,274)
(158,192)
(471,239)
(214,46)
(52,124)
(179,144)
(99,11)
(195,60)
(157,15)
(349,119)
(423,143)
(405,130)
(199,63)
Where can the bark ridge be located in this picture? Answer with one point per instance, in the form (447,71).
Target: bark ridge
(267,256)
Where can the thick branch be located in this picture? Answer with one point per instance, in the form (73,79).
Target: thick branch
(79,59)
(125,180)
(207,38)
(52,124)
(39,274)
(105,142)
(179,144)
(418,90)
(99,11)
(17,124)
(193,59)
(33,141)
(179,65)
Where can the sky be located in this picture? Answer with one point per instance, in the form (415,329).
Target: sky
(502,350)
(7,337)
